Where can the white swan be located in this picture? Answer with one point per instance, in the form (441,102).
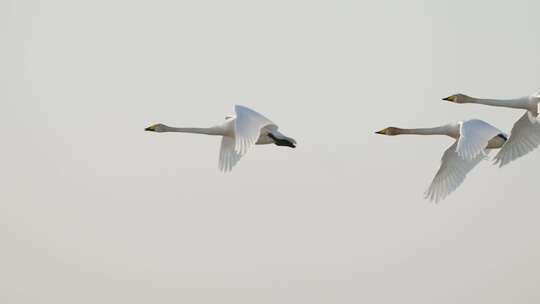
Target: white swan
(473,139)
(525,135)
(239,133)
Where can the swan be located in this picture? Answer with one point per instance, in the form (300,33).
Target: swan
(474,138)
(525,134)
(239,133)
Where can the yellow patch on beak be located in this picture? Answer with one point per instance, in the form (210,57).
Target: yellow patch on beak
(452,98)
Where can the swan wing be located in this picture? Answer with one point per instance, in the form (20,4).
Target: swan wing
(524,137)
(247,128)
(451,174)
(474,137)
(228,157)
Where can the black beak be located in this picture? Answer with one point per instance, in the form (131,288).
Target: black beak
(149,129)
(447,98)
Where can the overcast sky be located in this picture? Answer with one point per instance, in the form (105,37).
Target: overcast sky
(95,210)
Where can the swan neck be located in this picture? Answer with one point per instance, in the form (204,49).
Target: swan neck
(444,130)
(207,131)
(517,103)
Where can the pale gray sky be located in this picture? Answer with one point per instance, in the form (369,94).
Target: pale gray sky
(95,210)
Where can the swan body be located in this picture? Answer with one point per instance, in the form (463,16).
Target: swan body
(239,133)
(525,134)
(473,140)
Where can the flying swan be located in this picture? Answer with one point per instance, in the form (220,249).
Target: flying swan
(474,139)
(525,134)
(238,133)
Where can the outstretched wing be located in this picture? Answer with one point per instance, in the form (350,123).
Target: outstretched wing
(247,128)
(451,174)
(228,157)
(524,138)
(474,137)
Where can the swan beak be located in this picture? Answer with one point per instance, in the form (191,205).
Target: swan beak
(450,98)
(150,129)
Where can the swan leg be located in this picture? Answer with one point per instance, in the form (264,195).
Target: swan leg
(281,142)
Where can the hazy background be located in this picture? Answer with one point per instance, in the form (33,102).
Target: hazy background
(95,210)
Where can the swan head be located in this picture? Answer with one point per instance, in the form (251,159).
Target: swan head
(390,131)
(157,128)
(458,98)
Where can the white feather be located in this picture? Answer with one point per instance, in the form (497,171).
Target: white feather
(524,138)
(228,157)
(247,128)
(451,173)
(474,136)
